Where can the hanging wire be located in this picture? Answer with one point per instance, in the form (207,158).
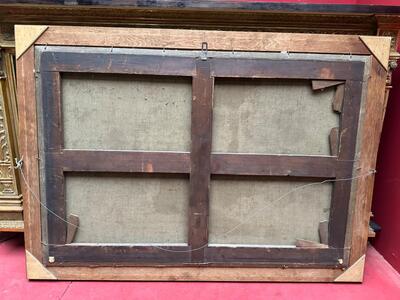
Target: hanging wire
(19,166)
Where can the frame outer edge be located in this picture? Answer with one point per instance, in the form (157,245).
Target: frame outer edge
(195,274)
(369,143)
(35,269)
(26,36)
(28,150)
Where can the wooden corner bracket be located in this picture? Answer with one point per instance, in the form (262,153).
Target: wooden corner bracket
(353,274)
(25,36)
(379,47)
(35,269)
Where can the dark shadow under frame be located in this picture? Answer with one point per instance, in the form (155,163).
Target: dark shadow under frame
(200,163)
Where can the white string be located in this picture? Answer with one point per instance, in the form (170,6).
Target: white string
(278,199)
(19,164)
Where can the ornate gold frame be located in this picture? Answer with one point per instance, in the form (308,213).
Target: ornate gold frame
(11,218)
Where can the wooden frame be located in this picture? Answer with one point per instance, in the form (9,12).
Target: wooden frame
(346,243)
(203,71)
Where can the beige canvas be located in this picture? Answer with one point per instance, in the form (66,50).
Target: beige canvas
(266,212)
(120,112)
(128,209)
(274,117)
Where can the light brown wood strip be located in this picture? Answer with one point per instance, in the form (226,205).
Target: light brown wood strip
(195,274)
(29,151)
(192,39)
